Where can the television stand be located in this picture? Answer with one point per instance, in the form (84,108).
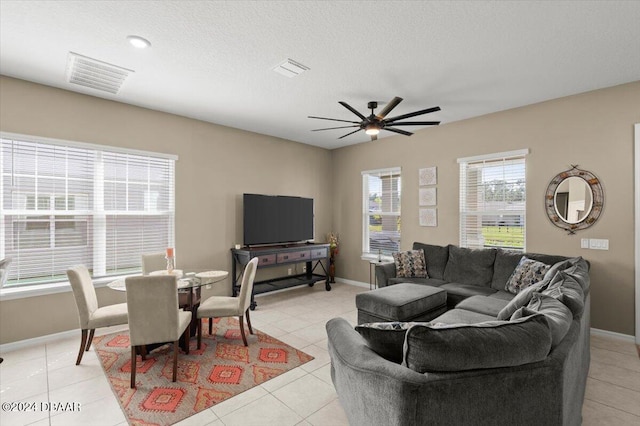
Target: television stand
(268,257)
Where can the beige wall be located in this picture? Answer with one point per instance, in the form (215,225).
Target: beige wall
(216,165)
(593,130)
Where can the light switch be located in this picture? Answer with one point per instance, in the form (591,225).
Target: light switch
(584,243)
(598,244)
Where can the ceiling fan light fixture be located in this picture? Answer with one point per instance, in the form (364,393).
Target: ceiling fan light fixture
(372,129)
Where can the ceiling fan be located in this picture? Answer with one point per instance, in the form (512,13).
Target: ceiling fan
(376,122)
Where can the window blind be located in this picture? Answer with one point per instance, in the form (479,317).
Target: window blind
(381,211)
(65,204)
(493,201)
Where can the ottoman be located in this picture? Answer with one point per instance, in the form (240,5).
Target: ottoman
(401,302)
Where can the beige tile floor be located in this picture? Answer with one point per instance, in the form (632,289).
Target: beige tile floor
(303,396)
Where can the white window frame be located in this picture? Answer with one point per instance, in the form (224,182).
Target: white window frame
(97,211)
(367,254)
(467,209)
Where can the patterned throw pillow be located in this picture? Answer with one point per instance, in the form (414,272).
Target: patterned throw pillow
(410,264)
(386,338)
(527,272)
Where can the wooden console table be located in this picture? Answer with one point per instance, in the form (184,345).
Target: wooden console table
(310,254)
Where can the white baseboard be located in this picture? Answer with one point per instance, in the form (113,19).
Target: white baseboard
(352,282)
(21,344)
(613,334)
(55,337)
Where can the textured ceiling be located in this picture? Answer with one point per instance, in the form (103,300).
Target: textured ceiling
(213,60)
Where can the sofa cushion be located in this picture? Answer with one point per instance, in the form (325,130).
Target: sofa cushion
(503,295)
(557,314)
(493,344)
(504,265)
(426,281)
(436,258)
(462,316)
(567,290)
(410,264)
(483,305)
(527,272)
(457,292)
(385,338)
(470,266)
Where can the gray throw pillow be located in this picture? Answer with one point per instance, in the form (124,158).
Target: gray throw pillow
(493,344)
(521,299)
(410,264)
(568,291)
(385,338)
(557,314)
(527,273)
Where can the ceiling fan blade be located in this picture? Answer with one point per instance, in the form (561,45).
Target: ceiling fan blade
(387,109)
(413,114)
(352,109)
(374,138)
(332,128)
(332,119)
(402,132)
(355,131)
(417,123)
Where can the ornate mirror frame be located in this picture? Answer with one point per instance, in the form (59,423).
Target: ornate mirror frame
(597,194)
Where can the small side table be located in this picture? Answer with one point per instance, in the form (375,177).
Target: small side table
(373,282)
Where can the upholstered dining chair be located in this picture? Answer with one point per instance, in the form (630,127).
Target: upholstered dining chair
(153,262)
(224,306)
(4,270)
(154,316)
(91,316)
(158,262)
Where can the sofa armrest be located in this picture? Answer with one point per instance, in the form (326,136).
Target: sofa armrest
(370,387)
(384,271)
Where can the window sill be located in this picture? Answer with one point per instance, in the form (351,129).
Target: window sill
(46,289)
(374,258)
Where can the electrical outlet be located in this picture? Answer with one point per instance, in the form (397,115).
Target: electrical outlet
(290,272)
(304,269)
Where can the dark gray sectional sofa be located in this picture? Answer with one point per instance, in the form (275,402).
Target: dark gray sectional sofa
(492,358)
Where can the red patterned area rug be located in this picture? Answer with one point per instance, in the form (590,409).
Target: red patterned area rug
(221,369)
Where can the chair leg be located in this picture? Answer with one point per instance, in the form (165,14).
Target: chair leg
(244,337)
(187,338)
(175,361)
(133,367)
(249,321)
(210,326)
(93,330)
(199,333)
(83,343)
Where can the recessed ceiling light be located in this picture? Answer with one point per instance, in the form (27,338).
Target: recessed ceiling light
(138,42)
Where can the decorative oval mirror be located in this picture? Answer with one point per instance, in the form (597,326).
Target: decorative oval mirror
(574,199)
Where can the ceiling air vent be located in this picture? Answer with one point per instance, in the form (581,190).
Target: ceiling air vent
(95,74)
(290,68)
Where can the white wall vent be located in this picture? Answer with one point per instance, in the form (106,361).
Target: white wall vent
(290,68)
(95,74)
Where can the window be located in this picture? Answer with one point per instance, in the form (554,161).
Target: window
(493,200)
(67,203)
(381,211)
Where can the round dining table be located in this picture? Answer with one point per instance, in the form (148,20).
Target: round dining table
(189,284)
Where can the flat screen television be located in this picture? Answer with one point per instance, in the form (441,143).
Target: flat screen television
(276,219)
